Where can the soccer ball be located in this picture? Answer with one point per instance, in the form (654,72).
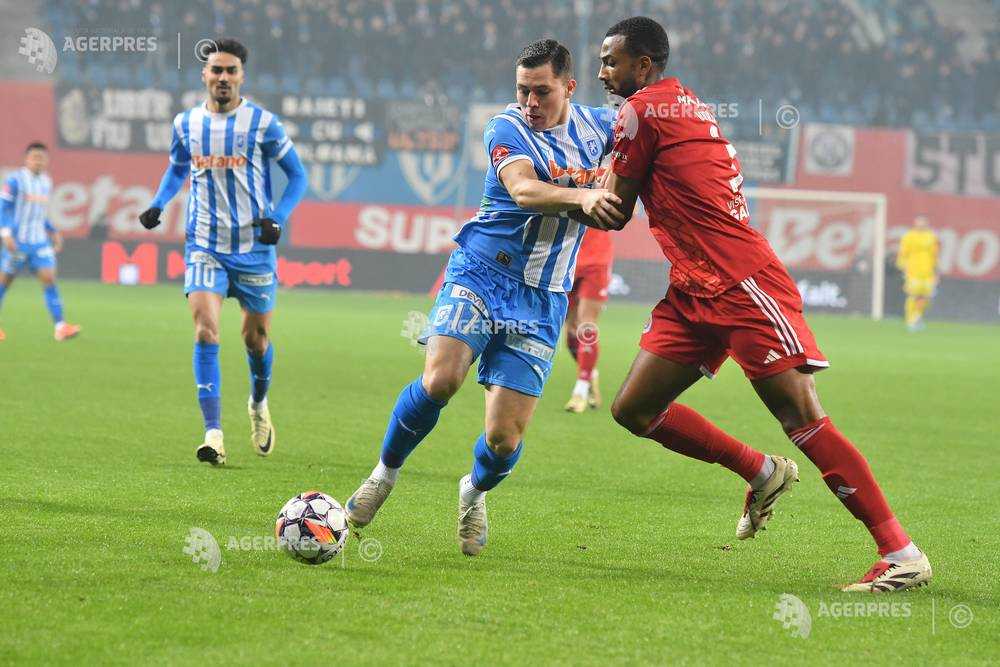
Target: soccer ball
(311,527)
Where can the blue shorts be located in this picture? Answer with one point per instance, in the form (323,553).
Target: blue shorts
(34,255)
(512,328)
(251,277)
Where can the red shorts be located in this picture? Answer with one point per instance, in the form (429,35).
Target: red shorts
(591,282)
(758,323)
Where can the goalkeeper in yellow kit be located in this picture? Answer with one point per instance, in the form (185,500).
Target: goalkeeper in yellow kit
(917,259)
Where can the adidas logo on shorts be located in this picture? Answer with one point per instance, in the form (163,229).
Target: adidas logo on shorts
(771,357)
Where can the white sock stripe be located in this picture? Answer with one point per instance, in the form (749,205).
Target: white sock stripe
(802,438)
(789,329)
(777,330)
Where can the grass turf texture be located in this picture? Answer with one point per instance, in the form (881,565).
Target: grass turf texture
(603,547)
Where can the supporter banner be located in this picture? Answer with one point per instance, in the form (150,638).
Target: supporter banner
(955,163)
(326,130)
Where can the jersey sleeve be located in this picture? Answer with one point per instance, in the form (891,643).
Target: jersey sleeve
(9,190)
(276,142)
(179,153)
(605,118)
(635,142)
(504,144)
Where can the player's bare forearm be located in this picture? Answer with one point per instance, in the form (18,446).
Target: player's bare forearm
(626,193)
(588,221)
(536,195)
(532,194)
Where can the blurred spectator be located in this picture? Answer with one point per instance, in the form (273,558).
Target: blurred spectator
(889,62)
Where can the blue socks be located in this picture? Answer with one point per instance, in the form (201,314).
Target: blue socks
(53,303)
(209,379)
(413,417)
(260,372)
(489,468)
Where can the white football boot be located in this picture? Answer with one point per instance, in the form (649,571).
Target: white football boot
(262,435)
(472,525)
(888,577)
(212,450)
(366,501)
(759,504)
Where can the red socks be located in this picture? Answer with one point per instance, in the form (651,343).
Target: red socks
(686,432)
(572,342)
(847,474)
(586,360)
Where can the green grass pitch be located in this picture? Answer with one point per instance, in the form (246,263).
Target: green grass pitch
(603,547)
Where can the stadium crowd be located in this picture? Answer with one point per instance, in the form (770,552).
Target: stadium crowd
(860,61)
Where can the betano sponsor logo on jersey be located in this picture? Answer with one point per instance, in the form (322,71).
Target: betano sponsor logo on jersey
(582,177)
(218,161)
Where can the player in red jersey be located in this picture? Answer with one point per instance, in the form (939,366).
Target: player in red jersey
(586,301)
(729,296)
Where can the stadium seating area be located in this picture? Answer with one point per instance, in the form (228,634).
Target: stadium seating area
(830,57)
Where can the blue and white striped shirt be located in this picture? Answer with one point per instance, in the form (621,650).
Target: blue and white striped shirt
(538,249)
(29,194)
(230,155)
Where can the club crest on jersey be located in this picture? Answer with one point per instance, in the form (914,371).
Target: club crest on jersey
(593,147)
(240,140)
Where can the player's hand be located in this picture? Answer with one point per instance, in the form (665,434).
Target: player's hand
(8,242)
(57,243)
(602,207)
(150,217)
(270,231)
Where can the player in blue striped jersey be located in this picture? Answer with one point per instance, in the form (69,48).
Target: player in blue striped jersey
(226,145)
(504,294)
(29,239)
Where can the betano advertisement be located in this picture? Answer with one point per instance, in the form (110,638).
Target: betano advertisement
(389,226)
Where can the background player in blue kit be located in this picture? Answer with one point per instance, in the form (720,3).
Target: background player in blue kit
(226,144)
(504,295)
(29,239)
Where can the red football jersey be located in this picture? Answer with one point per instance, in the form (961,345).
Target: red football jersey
(596,249)
(692,188)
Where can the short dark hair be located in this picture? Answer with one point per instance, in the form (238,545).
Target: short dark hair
(227,45)
(36,145)
(643,37)
(544,51)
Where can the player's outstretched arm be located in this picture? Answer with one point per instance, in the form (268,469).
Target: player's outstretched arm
(626,192)
(170,185)
(297,183)
(270,227)
(532,194)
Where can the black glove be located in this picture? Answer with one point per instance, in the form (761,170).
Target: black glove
(150,217)
(270,231)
